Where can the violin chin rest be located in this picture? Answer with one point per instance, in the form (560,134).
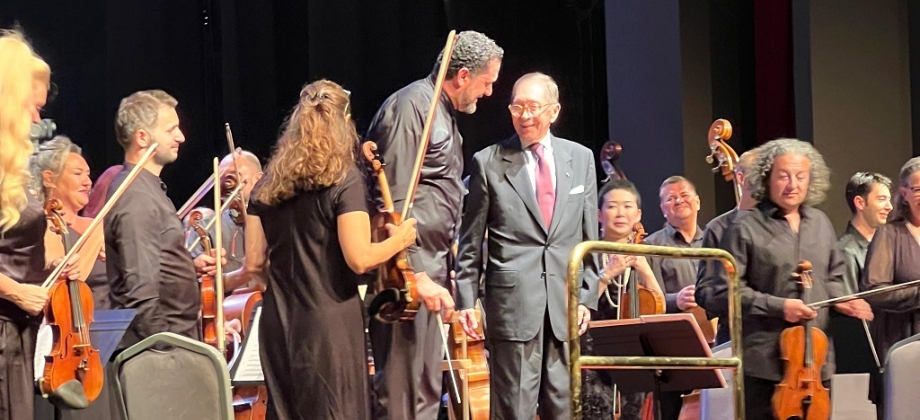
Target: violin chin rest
(386,306)
(70,395)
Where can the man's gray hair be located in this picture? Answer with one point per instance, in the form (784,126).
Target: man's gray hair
(473,51)
(759,175)
(139,111)
(51,156)
(552,89)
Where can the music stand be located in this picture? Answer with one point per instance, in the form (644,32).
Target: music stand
(671,335)
(246,365)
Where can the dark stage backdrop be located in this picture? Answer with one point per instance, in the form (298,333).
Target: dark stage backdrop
(244,62)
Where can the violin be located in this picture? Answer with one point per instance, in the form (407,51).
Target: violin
(208,290)
(610,152)
(722,154)
(397,296)
(73,363)
(650,301)
(801,395)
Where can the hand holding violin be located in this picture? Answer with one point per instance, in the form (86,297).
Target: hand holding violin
(206,264)
(794,310)
(71,270)
(405,233)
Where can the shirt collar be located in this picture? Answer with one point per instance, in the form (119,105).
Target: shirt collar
(675,234)
(445,98)
(860,239)
(145,175)
(546,141)
(771,210)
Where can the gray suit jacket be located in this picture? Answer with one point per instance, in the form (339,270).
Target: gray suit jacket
(526,262)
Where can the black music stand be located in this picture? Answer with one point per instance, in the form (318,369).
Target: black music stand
(671,335)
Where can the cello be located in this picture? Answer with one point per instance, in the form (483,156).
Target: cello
(801,395)
(73,374)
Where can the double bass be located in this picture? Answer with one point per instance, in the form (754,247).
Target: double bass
(801,395)
(73,374)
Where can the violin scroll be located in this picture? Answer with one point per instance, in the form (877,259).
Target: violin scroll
(610,152)
(54,213)
(720,152)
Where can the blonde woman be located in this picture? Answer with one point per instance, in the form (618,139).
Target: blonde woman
(24,81)
(308,226)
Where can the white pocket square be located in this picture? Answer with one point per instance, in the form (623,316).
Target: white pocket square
(577,190)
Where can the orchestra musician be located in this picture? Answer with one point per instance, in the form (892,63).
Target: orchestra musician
(147,264)
(892,259)
(536,196)
(619,209)
(24,83)
(408,355)
(233,237)
(716,228)
(60,172)
(868,195)
(309,233)
(788,179)
(680,205)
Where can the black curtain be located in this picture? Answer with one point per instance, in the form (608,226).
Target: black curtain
(244,63)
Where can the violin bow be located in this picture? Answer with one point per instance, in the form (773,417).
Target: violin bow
(860,295)
(197,196)
(236,168)
(219,275)
(222,207)
(151,150)
(426,131)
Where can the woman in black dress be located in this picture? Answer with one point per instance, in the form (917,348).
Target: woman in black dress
(308,226)
(24,80)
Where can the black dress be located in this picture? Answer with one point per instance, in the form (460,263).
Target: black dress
(22,258)
(311,334)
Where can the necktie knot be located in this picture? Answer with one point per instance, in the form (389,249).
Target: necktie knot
(538,150)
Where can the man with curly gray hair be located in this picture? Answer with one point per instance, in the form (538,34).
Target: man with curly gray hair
(768,242)
(408,384)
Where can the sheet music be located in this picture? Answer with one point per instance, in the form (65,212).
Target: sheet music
(246,366)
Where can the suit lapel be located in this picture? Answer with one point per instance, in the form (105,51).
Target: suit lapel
(519,179)
(563,159)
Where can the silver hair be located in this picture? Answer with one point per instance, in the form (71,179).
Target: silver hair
(140,111)
(901,209)
(552,89)
(473,51)
(759,176)
(51,156)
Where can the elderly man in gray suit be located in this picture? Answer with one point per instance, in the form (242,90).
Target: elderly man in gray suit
(536,196)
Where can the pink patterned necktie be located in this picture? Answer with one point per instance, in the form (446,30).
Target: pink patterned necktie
(546,194)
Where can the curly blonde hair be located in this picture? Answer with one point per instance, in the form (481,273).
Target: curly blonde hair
(316,148)
(759,177)
(20,69)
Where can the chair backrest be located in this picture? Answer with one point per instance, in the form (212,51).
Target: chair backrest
(170,376)
(902,368)
(719,403)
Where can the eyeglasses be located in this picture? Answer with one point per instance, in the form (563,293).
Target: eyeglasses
(533,108)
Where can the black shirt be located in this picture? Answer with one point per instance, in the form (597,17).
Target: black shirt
(711,237)
(22,256)
(148,267)
(397,130)
(674,274)
(767,252)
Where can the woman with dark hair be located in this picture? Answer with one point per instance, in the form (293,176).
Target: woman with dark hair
(308,227)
